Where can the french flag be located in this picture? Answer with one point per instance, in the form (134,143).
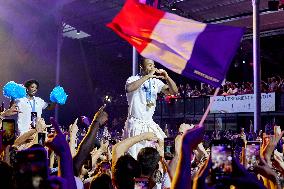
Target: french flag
(194,49)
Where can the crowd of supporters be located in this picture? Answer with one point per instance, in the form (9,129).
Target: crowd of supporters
(96,157)
(273,84)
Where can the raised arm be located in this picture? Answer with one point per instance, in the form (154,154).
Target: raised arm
(95,154)
(13,110)
(59,145)
(88,142)
(178,141)
(190,140)
(24,137)
(40,127)
(122,147)
(174,162)
(73,130)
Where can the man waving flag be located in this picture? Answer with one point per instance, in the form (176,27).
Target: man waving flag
(193,49)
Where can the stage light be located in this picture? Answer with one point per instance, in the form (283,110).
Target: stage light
(107,99)
(244,62)
(78,32)
(173,7)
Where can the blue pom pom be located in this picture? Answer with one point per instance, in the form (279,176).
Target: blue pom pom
(14,90)
(58,95)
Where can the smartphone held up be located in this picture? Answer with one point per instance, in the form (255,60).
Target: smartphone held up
(169,148)
(221,156)
(9,136)
(252,154)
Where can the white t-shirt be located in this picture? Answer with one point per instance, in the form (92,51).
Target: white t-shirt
(25,108)
(137,100)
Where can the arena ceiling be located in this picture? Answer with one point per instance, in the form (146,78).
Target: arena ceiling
(92,15)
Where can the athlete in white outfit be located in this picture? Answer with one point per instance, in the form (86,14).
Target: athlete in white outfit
(142,93)
(30,104)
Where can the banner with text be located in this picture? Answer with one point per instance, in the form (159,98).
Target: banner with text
(242,103)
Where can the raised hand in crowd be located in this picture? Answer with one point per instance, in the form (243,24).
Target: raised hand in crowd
(123,146)
(278,162)
(25,140)
(178,141)
(96,153)
(30,137)
(89,141)
(59,145)
(101,117)
(41,125)
(104,146)
(241,178)
(73,130)
(13,110)
(160,147)
(190,140)
(270,143)
(268,175)
(200,179)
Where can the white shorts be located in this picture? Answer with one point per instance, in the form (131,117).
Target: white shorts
(134,127)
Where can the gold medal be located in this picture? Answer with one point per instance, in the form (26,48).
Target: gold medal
(150,104)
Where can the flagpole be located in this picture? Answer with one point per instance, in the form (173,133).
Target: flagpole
(58,57)
(134,61)
(256,66)
(208,107)
(153,3)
